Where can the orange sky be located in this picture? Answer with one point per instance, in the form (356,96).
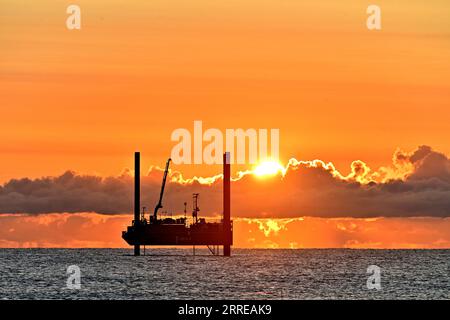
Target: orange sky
(100,231)
(86,100)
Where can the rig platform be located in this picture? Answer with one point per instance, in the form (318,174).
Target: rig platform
(177,232)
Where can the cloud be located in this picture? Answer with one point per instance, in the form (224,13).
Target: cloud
(415,184)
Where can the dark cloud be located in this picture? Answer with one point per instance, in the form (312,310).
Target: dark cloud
(305,190)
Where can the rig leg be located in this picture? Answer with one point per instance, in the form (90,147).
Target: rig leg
(137,250)
(226,250)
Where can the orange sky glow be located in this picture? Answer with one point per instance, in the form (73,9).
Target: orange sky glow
(89,230)
(85,100)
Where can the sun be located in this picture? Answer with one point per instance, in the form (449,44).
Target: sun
(268,168)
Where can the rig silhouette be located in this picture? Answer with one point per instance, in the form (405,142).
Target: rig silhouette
(168,231)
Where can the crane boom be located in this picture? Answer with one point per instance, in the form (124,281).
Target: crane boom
(159,205)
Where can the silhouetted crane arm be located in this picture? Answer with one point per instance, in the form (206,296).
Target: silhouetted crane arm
(159,205)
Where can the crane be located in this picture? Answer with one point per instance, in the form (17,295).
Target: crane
(159,205)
